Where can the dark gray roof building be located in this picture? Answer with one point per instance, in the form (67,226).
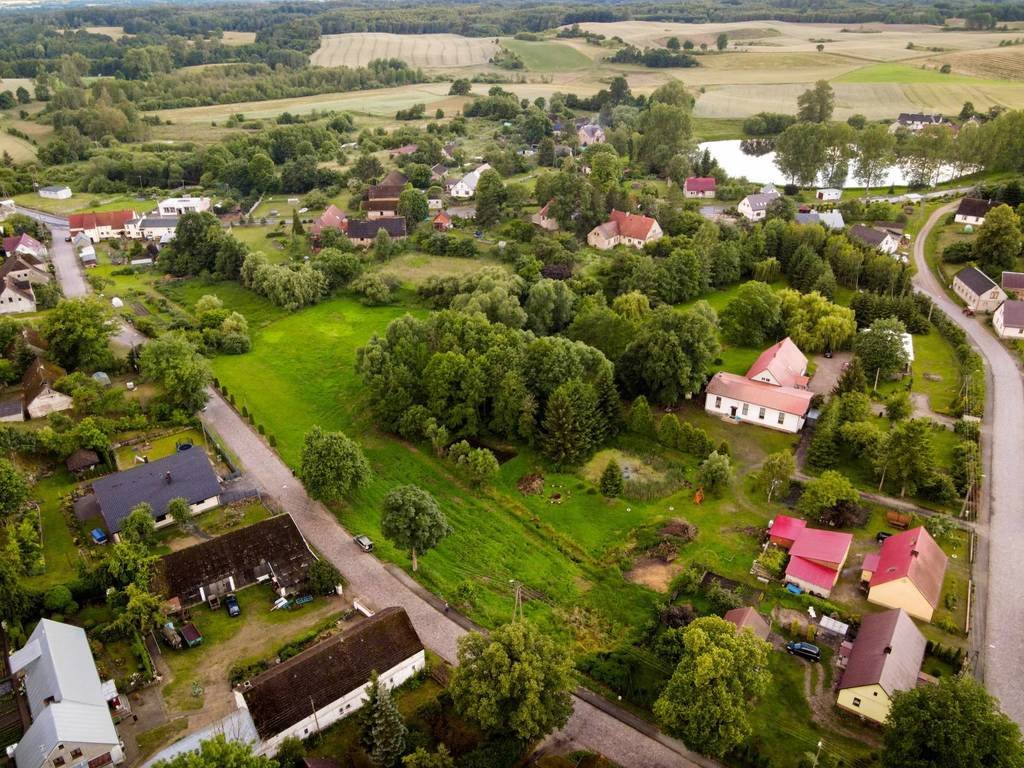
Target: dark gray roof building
(367,230)
(888,652)
(975,207)
(868,235)
(187,474)
(975,279)
(1013,314)
(1013,281)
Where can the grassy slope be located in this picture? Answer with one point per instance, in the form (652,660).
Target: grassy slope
(547,56)
(905,73)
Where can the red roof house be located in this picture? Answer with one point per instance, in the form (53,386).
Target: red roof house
(785,530)
(332,218)
(98,225)
(24,244)
(442,222)
(624,229)
(828,548)
(908,574)
(699,186)
(782,364)
(816,557)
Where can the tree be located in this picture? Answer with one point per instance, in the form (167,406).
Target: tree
(382,730)
(907,455)
(898,406)
(568,429)
(707,700)
(672,43)
(549,306)
(611,479)
(460,87)
(754,317)
(481,465)
(367,167)
(219,752)
(880,348)
(490,198)
(816,104)
(775,474)
(14,488)
(179,511)
(825,493)
(641,419)
(322,577)
(820,47)
(297,224)
(852,379)
(78,332)
(998,243)
(332,466)
(722,41)
(715,472)
(665,130)
(139,526)
(412,204)
(290,753)
(173,361)
(142,613)
(423,759)
(59,600)
(413,520)
(815,323)
(954,724)
(801,152)
(516,681)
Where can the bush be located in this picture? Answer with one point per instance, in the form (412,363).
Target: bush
(58,599)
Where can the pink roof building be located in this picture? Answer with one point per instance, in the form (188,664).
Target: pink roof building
(785,530)
(816,557)
(811,576)
(748,619)
(827,548)
(332,218)
(909,573)
(700,186)
(782,364)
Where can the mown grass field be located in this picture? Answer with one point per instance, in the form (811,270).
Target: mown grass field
(547,56)
(906,73)
(434,51)
(85,202)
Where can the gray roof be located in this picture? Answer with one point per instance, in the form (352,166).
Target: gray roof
(918,117)
(155,221)
(888,652)
(12,405)
(868,235)
(1013,314)
(188,474)
(54,188)
(394,226)
(761,200)
(237,726)
(975,279)
(1013,281)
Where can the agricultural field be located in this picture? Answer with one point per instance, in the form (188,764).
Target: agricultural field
(427,51)
(1001,63)
(547,56)
(114,33)
(86,202)
(233,37)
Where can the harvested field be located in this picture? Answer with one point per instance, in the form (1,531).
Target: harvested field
(428,51)
(232,37)
(114,33)
(998,63)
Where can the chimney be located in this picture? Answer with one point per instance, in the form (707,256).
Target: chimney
(914,553)
(888,650)
(167,478)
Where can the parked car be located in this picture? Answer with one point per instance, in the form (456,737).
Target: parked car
(804,650)
(233,608)
(364,543)
(882,536)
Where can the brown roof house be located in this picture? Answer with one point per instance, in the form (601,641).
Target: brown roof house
(747,619)
(1013,284)
(977,290)
(886,658)
(82,460)
(38,393)
(873,237)
(363,233)
(972,210)
(327,682)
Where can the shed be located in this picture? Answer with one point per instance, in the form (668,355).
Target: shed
(748,619)
(102,378)
(82,460)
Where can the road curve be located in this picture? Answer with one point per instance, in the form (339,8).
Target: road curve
(999,603)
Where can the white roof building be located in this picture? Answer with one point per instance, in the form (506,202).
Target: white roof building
(179,206)
(465,187)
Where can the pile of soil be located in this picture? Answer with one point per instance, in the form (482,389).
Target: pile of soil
(531,484)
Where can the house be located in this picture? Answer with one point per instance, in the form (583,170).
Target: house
(543,220)
(88,256)
(624,229)
(390,186)
(179,206)
(381,208)
(1008,319)
(151,227)
(755,207)
(816,559)
(973,210)
(747,619)
(700,186)
(12,408)
(442,222)
(101,225)
(405,149)
(916,121)
(16,296)
(872,237)
(784,530)
(236,726)
(907,573)
(271,551)
(589,134)
(829,194)
(328,681)
(886,658)
(332,218)
(82,460)
(1013,284)
(58,192)
(25,268)
(465,187)
(80,240)
(828,219)
(773,393)
(438,172)
(71,722)
(363,233)
(977,290)
(24,245)
(38,393)
(186,474)
(7,207)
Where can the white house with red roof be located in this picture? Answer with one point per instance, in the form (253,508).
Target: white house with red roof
(816,557)
(544,220)
(907,572)
(700,186)
(624,229)
(773,393)
(332,218)
(25,245)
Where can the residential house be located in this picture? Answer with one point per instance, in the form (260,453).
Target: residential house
(151,227)
(916,121)
(465,188)
(624,229)
(57,192)
(100,225)
(1008,319)
(271,551)
(816,557)
(332,218)
(589,134)
(977,290)
(16,296)
(755,207)
(80,240)
(784,530)
(828,194)
(381,208)
(1013,284)
(749,620)
(7,207)
(543,220)
(442,222)
(363,233)
(37,391)
(886,658)
(700,186)
(186,474)
(872,237)
(973,210)
(179,206)
(438,172)
(25,268)
(907,572)
(773,393)
(71,720)
(24,245)
(405,149)
(328,681)
(88,256)
(390,187)
(12,408)
(829,219)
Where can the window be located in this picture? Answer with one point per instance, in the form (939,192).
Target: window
(760,413)
(76,752)
(856,702)
(782,417)
(746,407)
(718,402)
(58,761)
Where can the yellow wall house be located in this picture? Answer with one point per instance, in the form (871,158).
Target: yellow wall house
(886,658)
(907,573)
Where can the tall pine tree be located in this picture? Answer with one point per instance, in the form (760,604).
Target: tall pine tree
(383,731)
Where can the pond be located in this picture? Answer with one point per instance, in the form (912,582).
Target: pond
(761,167)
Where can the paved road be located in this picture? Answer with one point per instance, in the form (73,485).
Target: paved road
(373,582)
(913,197)
(999,605)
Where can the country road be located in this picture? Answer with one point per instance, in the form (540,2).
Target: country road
(999,603)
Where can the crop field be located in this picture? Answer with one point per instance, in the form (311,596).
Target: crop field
(1000,63)
(114,33)
(913,72)
(232,37)
(427,51)
(547,56)
(20,150)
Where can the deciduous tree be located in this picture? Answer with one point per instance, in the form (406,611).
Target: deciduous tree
(219,752)
(815,105)
(880,348)
(332,466)
(753,317)
(14,488)
(715,472)
(998,243)
(78,332)
(413,520)
(139,527)
(174,362)
(775,474)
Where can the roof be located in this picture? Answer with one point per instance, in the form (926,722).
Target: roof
(143,222)
(1013,314)
(631,224)
(187,474)
(1013,281)
(385,192)
(94,219)
(38,376)
(915,555)
(23,289)
(54,188)
(394,179)
(237,726)
(870,562)
(16,262)
(332,218)
(761,200)
(786,527)
(784,361)
(276,542)
(82,459)
(868,235)
(973,206)
(888,652)
(322,674)
(442,218)
(381,204)
(473,177)
(394,226)
(919,117)
(11,406)
(786,399)
(821,545)
(748,618)
(975,279)
(830,219)
(801,569)
(13,242)
(591,130)
(700,184)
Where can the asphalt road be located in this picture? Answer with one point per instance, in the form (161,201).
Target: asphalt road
(999,605)
(374,583)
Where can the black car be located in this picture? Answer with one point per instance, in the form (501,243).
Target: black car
(882,536)
(232,604)
(804,650)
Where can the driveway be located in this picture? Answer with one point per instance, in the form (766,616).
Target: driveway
(827,372)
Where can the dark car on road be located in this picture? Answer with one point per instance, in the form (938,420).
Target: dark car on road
(232,604)
(804,650)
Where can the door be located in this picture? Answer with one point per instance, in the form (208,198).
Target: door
(732,411)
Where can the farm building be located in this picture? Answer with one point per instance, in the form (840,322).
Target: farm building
(543,220)
(828,194)
(71,722)
(1008,319)
(916,121)
(755,207)
(973,210)
(886,658)
(873,237)
(700,186)
(271,551)
(624,229)
(37,391)
(749,620)
(390,187)
(465,187)
(150,227)
(381,208)
(907,572)
(328,681)
(59,192)
(773,393)
(405,149)
(1013,284)
(828,219)
(24,245)
(16,296)
(363,233)
(332,218)
(589,134)
(102,225)
(179,206)
(187,474)
(977,290)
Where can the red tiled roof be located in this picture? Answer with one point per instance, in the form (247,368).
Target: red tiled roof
(912,554)
(632,225)
(870,562)
(748,618)
(700,184)
(332,218)
(786,527)
(91,220)
(786,399)
(11,243)
(811,572)
(822,546)
(784,361)
(442,218)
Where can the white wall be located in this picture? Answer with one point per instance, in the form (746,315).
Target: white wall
(721,405)
(12,303)
(1002,331)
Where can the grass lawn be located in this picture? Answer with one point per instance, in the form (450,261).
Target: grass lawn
(151,740)
(59,550)
(414,268)
(936,371)
(85,202)
(547,55)
(257,310)
(159,448)
(717,129)
(256,237)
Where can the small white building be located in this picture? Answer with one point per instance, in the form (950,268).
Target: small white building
(465,188)
(829,194)
(38,393)
(57,192)
(755,207)
(700,186)
(150,227)
(977,290)
(973,210)
(179,206)
(88,256)
(623,228)
(1008,319)
(16,296)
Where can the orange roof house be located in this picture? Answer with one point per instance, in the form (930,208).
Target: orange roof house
(908,573)
(100,225)
(624,229)
(442,222)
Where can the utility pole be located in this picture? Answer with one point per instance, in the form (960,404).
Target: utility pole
(517,608)
(316,720)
